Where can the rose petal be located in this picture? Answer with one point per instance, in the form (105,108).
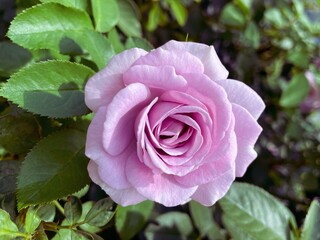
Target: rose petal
(215,98)
(181,61)
(124,197)
(208,194)
(212,169)
(213,67)
(161,188)
(121,114)
(111,168)
(247,130)
(243,95)
(163,77)
(101,88)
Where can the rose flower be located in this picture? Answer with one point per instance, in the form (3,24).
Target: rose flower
(169,126)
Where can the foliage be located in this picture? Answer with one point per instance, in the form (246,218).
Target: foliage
(48,50)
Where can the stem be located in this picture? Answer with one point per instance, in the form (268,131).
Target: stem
(58,206)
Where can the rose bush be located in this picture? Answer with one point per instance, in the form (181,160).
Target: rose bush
(169,126)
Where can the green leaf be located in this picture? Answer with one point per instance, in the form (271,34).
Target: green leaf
(101,213)
(311,224)
(45,26)
(8,230)
(131,219)
(79,4)
(12,57)
(128,19)
(257,213)
(47,212)
(245,5)
(52,88)
(252,35)
(133,42)
(231,15)
(73,209)
(171,225)
(295,91)
(274,16)
(154,17)
(86,207)
(32,220)
(299,57)
(237,232)
(178,11)
(8,172)
(115,41)
(68,234)
(105,14)
(202,217)
(57,160)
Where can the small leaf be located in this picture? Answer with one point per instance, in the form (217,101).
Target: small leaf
(154,17)
(295,91)
(299,57)
(101,213)
(105,14)
(232,15)
(128,19)
(115,41)
(130,220)
(57,160)
(68,234)
(32,220)
(134,42)
(86,207)
(8,230)
(73,209)
(202,217)
(79,4)
(171,225)
(178,11)
(9,170)
(274,16)
(237,232)
(47,212)
(311,224)
(12,57)
(245,5)
(52,88)
(252,35)
(257,213)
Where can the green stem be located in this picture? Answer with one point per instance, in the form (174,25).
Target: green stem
(58,206)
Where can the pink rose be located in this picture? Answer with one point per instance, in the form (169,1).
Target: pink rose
(169,126)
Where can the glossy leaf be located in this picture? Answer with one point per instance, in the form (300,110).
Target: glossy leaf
(295,91)
(257,213)
(86,207)
(62,171)
(231,15)
(12,57)
(311,224)
(130,220)
(32,220)
(105,14)
(202,217)
(171,225)
(68,234)
(179,11)
(8,230)
(101,213)
(53,88)
(47,212)
(80,4)
(45,26)
(73,209)
(128,19)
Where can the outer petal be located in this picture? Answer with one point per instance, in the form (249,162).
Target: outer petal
(247,130)
(118,130)
(124,197)
(161,188)
(111,169)
(213,67)
(210,193)
(101,88)
(181,60)
(243,95)
(163,77)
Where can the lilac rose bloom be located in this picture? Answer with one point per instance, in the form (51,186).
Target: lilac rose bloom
(169,126)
